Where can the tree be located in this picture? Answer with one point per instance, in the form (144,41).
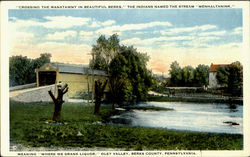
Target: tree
(222,76)
(128,77)
(231,77)
(187,76)
(58,101)
(128,70)
(117,95)
(104,51)
(235,78)
(22,69)
(201,75)
(44,58)
(175,74)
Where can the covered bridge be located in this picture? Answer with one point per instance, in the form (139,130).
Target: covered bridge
(80,78)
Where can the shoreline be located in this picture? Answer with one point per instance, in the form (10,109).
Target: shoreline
(229,100)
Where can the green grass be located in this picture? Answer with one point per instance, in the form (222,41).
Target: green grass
(27,126)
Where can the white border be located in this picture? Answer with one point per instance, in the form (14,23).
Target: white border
(5,66)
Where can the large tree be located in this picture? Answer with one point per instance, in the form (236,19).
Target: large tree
(128,77)
(128,70)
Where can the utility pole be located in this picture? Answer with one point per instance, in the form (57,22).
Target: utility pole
(88,83)
(93,79)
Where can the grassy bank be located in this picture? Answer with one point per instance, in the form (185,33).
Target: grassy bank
(197,100)
(27,126)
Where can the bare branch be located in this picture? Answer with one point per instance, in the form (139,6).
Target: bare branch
(65,90)
(64,86)
(52,96)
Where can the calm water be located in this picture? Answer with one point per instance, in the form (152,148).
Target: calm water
(188,116)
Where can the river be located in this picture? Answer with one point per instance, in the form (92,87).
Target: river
(216,118)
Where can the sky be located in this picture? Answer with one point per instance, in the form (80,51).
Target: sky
(188,36)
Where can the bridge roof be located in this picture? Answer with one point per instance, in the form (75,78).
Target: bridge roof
(71,68)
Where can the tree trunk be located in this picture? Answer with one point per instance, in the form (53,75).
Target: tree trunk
(57,112)
(99,91)
(97,107)
(61,90)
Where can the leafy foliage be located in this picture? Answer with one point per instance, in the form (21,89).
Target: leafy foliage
(128,68)
(104,51)
(22,69)
(129,79)
(188,76)
(222,75)
(235,80)
(201,75)
(175,73)
(231,77)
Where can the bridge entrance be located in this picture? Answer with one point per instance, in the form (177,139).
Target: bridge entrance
(47,78)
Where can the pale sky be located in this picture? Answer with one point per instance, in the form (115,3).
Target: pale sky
(188,36)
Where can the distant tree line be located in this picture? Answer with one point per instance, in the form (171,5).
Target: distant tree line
(22,69)
(231,77)
(188,76)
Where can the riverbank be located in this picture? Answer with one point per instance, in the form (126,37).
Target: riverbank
(80,128)
(198,99)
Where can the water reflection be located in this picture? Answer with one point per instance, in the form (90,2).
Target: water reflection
(220,118)
(232,107)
